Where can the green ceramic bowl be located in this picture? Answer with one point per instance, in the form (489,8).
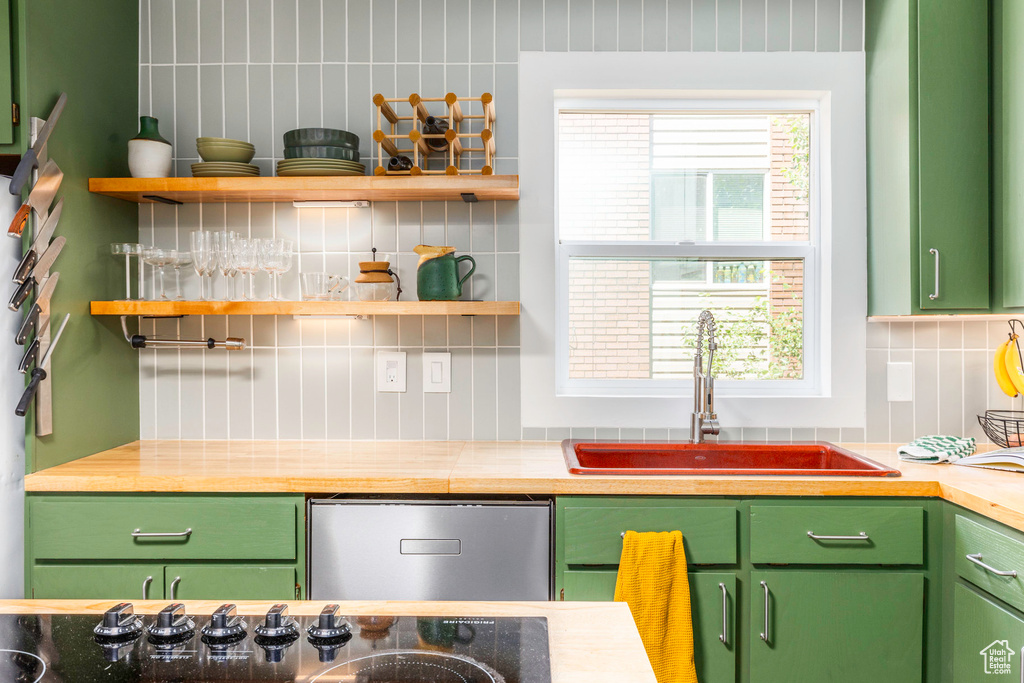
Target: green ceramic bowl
(321,152)
(316,137)
(223,141)
(239,155)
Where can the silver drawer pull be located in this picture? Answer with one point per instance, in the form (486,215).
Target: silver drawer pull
(767,605)
(174,587)
(139,533)
(725,614)
(145,587)
(859,537)
(935,295)
(976,559)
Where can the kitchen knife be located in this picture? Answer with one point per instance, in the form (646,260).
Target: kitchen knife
(39,198)
(31,158)
(30,357)
(28,261)
(40,308)
(39,373)
(42,265)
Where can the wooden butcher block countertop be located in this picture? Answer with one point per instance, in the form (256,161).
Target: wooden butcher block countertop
(477,467)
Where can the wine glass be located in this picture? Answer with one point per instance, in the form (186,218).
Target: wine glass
(159,259)
(181,260)
(203,260)
(245,256)
(276,259)
(222,253)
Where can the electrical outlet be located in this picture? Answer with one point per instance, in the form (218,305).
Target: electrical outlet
(900,381)
(391,371)
(437,373)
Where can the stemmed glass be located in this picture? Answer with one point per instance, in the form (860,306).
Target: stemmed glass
(222,242)
(245,256)
(159,259)
(276,259)
(181,260)
(204,260)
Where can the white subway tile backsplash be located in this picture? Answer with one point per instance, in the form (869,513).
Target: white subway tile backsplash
(253,69)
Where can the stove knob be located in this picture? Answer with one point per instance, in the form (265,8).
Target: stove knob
(172,624)
(120,623)
(225,623)
(328,626)
(278,624)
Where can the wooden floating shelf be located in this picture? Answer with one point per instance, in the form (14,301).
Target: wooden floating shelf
(315,188)
(318,308)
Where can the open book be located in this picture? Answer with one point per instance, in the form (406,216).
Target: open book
(1011,459)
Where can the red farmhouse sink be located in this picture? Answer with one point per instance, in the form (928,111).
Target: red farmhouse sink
(813,458)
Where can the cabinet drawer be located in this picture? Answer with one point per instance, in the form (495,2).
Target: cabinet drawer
(98,582)
(593,535)
(221,528)
(999,552)
(779,534)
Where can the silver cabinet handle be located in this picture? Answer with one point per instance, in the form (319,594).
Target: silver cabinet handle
(764,633)
(174,586)
(976,559)
(145,587)
(139,533)
(859,537)
(935,252)
(725,614)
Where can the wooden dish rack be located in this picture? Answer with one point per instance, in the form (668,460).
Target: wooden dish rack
(419,151)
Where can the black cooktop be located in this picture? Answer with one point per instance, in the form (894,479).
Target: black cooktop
(177,647)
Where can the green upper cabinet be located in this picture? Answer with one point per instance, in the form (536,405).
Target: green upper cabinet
(928,156)
(1008,150)
(6,75)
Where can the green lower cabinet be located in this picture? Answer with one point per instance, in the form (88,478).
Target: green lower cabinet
(839,626)
(714,658)
(989,639)
(228,582)
(98,582)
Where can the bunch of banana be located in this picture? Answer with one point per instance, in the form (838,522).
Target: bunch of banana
(1007,366)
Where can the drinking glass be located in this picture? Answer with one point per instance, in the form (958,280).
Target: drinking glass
(182,259)
(203,259)
(276,259)
(128,249)
(322,286)
(222,252)
(159,259)
(245,256)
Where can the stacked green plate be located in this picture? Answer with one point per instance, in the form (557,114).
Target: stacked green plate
(224,169)
(315,167)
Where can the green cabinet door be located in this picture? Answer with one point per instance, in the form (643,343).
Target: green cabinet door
(953,153)
(6,75)
(98,582)
(841,627)
(228,582)
(712,605)
(988,639)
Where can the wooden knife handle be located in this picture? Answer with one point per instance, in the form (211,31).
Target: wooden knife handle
(19,222)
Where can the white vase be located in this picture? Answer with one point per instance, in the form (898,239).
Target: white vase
(149,158)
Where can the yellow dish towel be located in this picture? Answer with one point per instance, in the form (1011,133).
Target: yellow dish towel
(652,581)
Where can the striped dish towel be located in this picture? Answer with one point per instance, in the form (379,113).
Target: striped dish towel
(932,449)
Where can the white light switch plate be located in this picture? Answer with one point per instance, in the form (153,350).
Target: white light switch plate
(900,381)
(391,371)
(437,373)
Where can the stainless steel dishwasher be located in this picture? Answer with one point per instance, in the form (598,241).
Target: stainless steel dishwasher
(397,548)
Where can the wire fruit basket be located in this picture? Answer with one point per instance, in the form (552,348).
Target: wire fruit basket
(1004,427)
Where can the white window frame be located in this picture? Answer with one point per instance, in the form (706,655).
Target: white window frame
(805,251)
(837,81)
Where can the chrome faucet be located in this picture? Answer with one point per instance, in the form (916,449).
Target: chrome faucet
(703,420)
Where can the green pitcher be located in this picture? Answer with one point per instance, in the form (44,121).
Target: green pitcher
(437,275)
